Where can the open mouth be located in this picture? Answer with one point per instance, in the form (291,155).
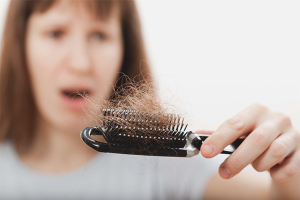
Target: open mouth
(77,94)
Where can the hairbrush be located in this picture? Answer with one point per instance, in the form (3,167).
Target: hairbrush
(141,133)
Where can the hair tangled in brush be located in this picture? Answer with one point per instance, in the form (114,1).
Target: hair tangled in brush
(136,118)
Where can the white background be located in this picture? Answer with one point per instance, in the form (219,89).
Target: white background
(213,58)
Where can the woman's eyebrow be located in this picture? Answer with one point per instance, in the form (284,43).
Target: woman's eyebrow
(53,25)
(66,21)
(99,24)
(55,16)
(54,21)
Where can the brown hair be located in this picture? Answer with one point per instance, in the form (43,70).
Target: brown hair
(137,112)
(17,107)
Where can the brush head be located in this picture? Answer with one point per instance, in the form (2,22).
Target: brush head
(143,130)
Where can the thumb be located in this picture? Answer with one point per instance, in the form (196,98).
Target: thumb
(204,132)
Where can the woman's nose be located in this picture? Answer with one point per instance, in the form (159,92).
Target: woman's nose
(79,59)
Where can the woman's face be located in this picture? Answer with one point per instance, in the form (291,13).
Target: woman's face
(69,50)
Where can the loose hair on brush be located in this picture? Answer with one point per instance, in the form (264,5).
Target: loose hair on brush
(137,122)
(17,106)
(136,111)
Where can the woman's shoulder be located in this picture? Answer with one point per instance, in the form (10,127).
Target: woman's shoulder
(6,148)
(7,155)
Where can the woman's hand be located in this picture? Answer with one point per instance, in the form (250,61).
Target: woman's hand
(271,143)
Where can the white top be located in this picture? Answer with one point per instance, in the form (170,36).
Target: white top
(109,176)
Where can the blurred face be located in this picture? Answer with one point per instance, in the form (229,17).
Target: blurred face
(70,51)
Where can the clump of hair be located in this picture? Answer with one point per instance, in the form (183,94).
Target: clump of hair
(135,117)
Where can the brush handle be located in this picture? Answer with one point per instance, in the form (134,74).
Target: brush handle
(197,141)
(86,137)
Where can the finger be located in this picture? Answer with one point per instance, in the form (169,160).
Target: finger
(204,132)
(229,131)
(280,148)
(288,169)
(253,146)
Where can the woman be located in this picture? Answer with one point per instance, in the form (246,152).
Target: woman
(52,49)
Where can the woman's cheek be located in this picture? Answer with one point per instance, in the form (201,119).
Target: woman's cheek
(43,65)
(108,62)
(40,68)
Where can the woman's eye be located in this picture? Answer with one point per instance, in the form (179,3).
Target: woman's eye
(99,36)
(55,34)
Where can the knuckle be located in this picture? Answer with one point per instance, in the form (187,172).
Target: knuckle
(222,138)
(235,165)
(235,123)
(258,167)
(297,137)
(283,119)
(276,177)
(259,107)
(260,136)
(292,170)
(278,150)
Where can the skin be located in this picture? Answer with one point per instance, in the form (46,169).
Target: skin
(272,144)
(68,47)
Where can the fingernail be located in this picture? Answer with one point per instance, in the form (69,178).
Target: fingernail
(224,172)
(208,148)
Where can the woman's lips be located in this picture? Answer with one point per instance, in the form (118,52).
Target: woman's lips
(75,99)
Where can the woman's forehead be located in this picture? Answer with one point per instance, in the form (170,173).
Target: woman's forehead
(95,9)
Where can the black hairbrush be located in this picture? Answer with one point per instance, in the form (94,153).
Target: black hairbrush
(140,133)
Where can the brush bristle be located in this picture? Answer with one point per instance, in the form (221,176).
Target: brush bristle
(142,130)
